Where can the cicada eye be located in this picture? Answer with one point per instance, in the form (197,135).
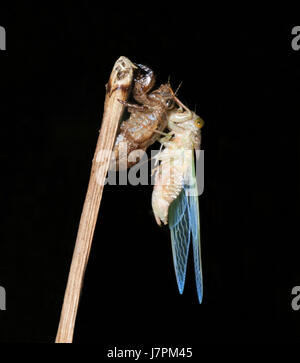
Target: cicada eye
(199,122)
(170,104)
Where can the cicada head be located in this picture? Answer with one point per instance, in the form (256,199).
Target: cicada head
(165,94)
(183,120)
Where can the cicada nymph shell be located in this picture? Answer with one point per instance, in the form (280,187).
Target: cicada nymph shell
(147,119)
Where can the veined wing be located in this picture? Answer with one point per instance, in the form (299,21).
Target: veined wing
(184,222)
(179,224)
(194,225)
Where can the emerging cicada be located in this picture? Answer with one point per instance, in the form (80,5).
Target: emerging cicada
(146,122)
(175,196)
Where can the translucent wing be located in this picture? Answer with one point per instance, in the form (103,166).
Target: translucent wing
(194,220)
(184,222)
(179,225)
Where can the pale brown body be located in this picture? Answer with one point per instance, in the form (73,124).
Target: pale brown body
(175,160)
(147,120)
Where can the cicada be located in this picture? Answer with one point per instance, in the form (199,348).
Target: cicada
(147,119)
(175,196)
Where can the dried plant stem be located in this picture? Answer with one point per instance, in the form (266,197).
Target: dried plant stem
(118,87)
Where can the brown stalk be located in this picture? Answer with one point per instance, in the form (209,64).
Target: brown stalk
(118,88)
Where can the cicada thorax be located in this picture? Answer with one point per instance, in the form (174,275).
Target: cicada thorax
(147,119)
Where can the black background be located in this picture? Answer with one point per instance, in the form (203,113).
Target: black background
(243,77)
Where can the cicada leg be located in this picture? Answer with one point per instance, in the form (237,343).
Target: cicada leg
(166,138)
(132,106)
(154,130)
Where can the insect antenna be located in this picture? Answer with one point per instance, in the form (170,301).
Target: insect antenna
(180,84)
(169,81)
(179,103)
